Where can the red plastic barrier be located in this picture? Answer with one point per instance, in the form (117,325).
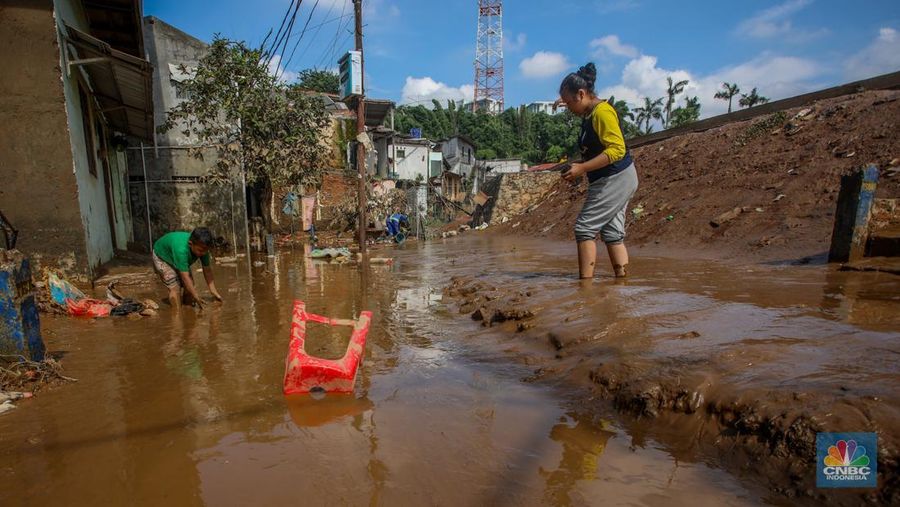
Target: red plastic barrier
(303,373)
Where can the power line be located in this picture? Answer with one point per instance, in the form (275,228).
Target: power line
(341,26)
(302,33)
(318,29)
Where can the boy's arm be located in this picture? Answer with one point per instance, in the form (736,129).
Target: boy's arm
(210,282)
(188,284)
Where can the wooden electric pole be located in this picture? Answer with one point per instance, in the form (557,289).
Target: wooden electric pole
(361,129)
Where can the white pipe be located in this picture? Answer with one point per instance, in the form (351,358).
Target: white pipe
(146,198)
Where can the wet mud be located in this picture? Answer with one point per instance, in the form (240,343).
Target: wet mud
(186,408)
(689,383)
(747,363)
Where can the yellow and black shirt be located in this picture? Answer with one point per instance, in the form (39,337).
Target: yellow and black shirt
(601,133)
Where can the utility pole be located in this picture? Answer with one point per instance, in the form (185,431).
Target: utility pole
(361,128)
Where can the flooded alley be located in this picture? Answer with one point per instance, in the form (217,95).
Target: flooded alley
(187,409)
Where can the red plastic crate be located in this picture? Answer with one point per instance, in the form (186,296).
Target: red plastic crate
(304,373)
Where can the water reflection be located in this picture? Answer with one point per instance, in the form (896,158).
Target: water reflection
(307,411)
(582,446)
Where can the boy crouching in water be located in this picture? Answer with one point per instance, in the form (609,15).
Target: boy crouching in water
(173,255)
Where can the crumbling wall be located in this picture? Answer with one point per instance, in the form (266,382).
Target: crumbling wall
(38,193)
(517,192)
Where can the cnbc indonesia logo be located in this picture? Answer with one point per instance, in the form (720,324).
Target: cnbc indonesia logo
(846,463)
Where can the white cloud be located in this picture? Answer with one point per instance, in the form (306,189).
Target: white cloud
(275,68)
(774,76)
(610,45)
(421,91)
(879,57)
(775,22)
(513,44)
(544,64)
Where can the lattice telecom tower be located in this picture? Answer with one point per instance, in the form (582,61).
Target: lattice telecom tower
(489,57)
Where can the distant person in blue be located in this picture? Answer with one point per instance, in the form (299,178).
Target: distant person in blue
(397,224)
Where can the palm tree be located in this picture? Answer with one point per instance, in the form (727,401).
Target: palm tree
(674,89)
(751,99)
(728,91)
(621,108)
(651,110)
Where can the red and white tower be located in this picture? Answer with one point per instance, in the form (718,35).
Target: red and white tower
(489,57)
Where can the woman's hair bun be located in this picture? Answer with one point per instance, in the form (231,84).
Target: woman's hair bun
(589,73)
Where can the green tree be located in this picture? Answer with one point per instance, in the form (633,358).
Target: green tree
(751,99)
(674,88)
(258,125)
(486,154)
(689,113)
(555,154)
(323,81)
(651,110)
(626,117)
(728,92)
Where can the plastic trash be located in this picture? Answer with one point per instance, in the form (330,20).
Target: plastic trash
(88,307)
(61,290)
(304,373)
(329,253)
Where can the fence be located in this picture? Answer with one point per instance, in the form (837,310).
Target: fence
(167,192)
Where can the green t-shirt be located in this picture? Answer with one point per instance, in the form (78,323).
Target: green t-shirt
(174,250)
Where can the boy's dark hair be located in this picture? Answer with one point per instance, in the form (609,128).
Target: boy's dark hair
(202,236)
(583,79)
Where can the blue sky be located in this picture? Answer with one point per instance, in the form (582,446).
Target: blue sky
(422,49)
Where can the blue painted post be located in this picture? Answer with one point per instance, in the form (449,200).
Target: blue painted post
(851,219)
(20,324)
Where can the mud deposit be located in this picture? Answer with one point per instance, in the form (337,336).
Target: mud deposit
(187,409)
(782,171)
(744,363)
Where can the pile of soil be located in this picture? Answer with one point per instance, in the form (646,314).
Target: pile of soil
(779,175)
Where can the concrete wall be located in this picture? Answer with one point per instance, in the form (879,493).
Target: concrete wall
(179,199)
(39,193)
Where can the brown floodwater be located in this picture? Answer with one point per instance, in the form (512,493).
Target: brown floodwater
(186,408)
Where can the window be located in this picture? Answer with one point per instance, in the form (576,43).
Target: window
(87,128)
(401,152)
(180,92)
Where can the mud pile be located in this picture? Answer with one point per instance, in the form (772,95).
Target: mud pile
(733,400)
(781,172)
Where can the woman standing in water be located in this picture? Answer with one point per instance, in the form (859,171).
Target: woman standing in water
(610,170)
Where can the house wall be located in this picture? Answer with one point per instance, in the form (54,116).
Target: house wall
(414,164)
(92,199)
(460,156)
(436,167)
(502,166)
(38,193)
(178,198)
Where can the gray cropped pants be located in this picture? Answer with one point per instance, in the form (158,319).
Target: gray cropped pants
(604,207)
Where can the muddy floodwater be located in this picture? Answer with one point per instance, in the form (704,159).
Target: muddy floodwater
(187,409)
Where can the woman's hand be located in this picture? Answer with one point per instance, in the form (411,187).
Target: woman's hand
(574,173)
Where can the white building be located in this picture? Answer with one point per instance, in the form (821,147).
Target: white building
(544,106)
(491,106)
(496,167)
(412,159)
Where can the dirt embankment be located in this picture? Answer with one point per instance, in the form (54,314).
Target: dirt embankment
(753,401)
(781,171)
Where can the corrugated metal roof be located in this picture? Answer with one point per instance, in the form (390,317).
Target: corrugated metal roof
(121,84)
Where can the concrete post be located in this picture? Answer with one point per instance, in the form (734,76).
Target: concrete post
(20,324)
(851,218)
